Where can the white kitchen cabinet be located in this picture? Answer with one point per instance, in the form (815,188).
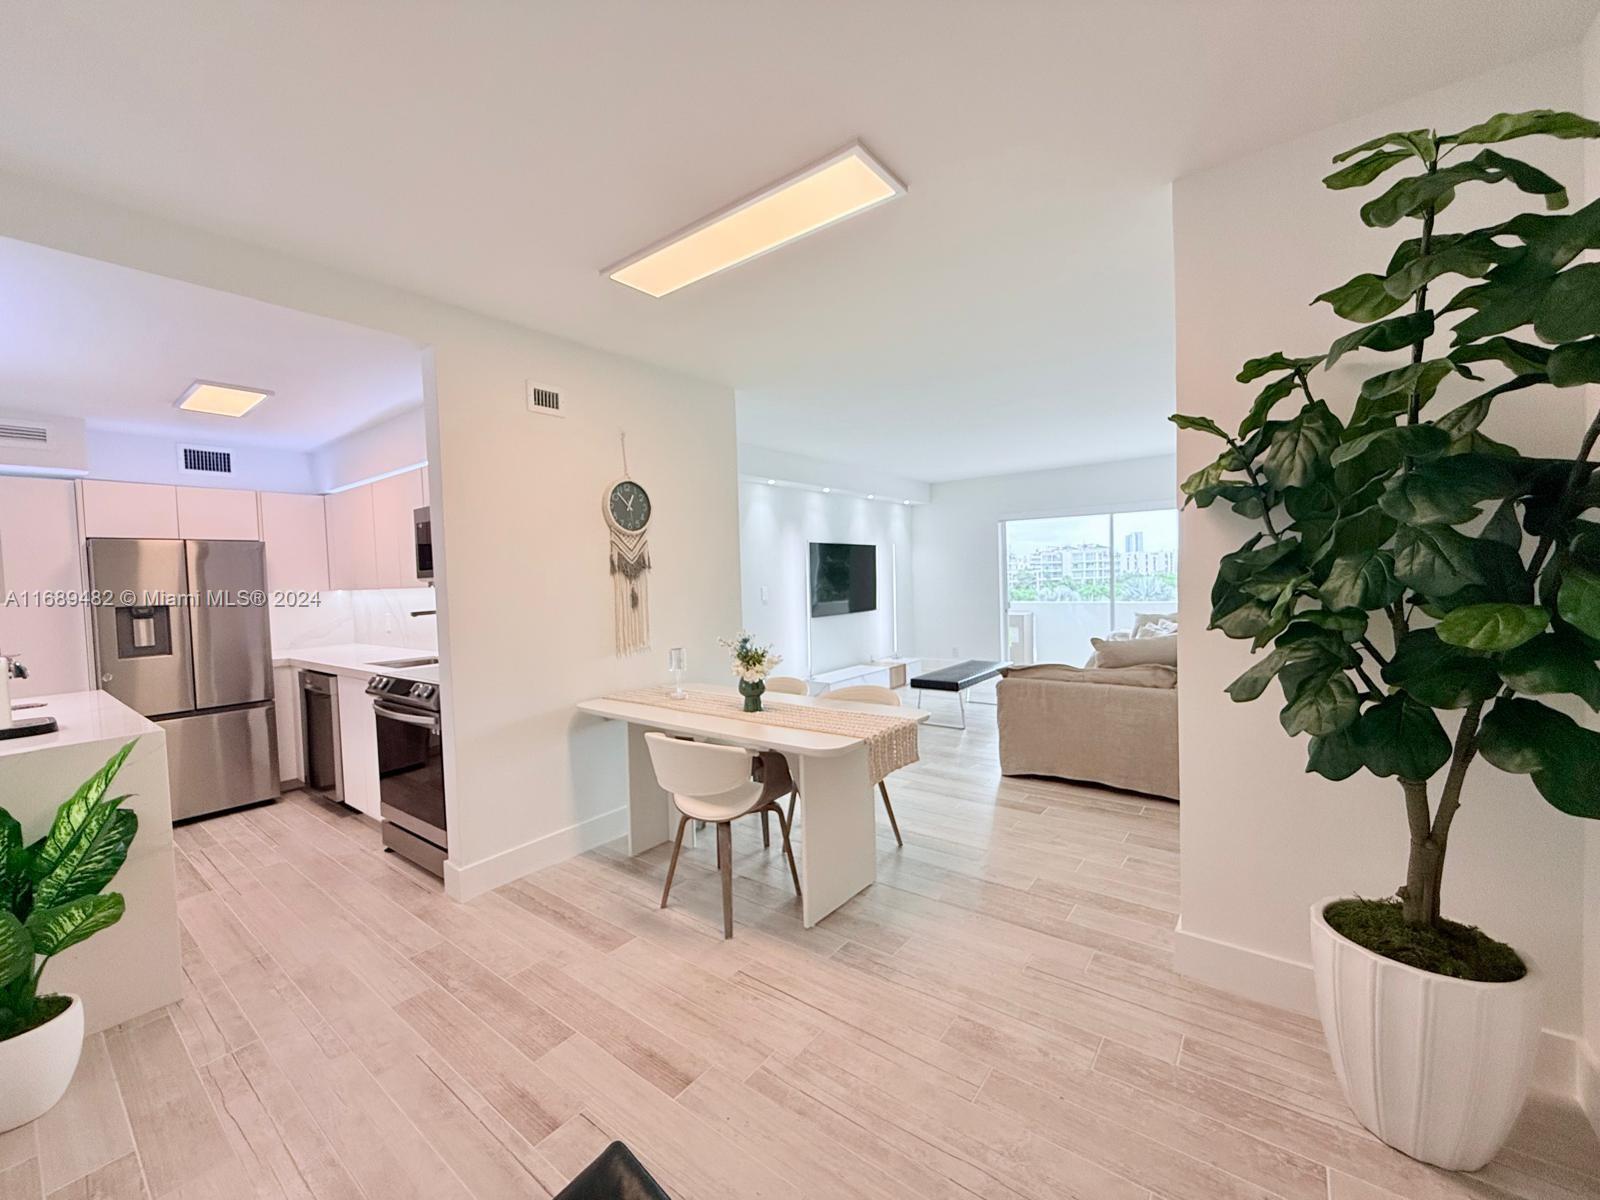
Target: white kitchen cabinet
(358,745)
(129,510)
(287,711)
(352,549)
(41,565)
(395,501)
(224,513)
(295,530)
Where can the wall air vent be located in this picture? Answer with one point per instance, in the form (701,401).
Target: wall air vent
(544,400)
(204,460)
(18,433)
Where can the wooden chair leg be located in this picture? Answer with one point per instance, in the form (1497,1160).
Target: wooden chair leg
(725,863)
(889,808)
(788,850)
(793,797)
(766,830)
(672,867)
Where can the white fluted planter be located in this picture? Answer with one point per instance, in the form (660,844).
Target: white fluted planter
(1436,1067)
(37,1066)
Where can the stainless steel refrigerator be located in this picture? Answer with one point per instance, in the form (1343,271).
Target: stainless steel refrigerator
(181,635)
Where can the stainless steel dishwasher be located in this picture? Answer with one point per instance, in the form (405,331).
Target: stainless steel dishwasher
(319,712)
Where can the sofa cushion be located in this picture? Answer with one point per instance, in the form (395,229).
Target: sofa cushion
(1137,652)
(1148,675)
(1143,621)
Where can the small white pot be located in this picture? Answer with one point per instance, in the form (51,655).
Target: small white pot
(38,1065)
(1437,1067)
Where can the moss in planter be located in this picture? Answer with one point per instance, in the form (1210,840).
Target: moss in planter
(1460,951)
(45,1009)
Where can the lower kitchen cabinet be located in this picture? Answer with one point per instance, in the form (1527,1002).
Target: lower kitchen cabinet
(358,737)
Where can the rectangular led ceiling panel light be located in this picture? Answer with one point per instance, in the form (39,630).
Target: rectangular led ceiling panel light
(220,399)
(841,185)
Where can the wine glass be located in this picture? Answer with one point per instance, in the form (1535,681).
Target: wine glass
(677,664)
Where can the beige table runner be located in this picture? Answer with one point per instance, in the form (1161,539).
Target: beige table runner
(891,739)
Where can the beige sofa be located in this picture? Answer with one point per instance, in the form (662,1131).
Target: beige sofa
(1116,726)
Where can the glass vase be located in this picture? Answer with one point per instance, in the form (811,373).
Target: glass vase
(751,690)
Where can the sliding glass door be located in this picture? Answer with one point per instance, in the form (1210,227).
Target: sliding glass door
(1069,579)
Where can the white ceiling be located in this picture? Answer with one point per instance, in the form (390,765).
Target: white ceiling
(1014,310)
(117,347)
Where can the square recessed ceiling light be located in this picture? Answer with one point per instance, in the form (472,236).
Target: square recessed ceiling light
(220,399)
(841,185)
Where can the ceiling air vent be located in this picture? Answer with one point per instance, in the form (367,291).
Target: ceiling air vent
(18,433)
(205,460)
(544,400)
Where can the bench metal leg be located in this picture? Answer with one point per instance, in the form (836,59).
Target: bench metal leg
(961,699)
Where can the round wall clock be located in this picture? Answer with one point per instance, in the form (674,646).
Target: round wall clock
(628,506)
(627,509)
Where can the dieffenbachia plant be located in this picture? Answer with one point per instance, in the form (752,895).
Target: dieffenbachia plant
(1408,563)
(50,891)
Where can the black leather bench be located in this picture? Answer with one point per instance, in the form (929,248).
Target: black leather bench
(957,678)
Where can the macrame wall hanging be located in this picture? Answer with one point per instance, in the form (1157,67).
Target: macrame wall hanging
(627,509)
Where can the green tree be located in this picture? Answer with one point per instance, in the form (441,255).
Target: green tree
(1408,564)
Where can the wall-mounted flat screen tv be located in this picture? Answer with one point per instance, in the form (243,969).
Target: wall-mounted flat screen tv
(844,578)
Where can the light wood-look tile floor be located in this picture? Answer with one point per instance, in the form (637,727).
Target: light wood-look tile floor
(997,1018)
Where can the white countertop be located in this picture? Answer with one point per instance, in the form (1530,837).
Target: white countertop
(83,717)
(358,660)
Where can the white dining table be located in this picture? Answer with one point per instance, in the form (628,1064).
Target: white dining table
(838,852)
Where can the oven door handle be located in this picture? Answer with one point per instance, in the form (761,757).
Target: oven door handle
(423,720)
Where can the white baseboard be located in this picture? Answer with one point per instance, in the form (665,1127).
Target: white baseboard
(1589,1083)
(466,881)
(1253,973)
(1269,979)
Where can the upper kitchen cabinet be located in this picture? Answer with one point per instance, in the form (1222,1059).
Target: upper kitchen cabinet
(352,548)
(295,530)
(394,504)
(129,510)
(40,558)
(222,513)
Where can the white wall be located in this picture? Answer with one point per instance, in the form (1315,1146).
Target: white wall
(396,443)
(761,463)
(1255,239)
(136,458)
(776,528)
(524,594)
(1589,1060)
(956,542)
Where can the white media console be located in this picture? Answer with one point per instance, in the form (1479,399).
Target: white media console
(885,672)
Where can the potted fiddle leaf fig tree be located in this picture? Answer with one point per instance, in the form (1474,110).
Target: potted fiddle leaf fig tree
(1426,597)
(51,898)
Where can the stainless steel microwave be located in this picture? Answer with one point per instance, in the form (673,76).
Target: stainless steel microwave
(423,521)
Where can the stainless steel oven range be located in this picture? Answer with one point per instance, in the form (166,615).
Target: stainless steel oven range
(410,770)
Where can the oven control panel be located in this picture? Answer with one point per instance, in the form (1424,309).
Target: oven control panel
(406,690)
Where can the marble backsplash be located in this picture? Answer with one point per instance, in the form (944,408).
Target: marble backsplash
(377,617)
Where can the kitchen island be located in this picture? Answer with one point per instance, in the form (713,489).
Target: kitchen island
(133,967)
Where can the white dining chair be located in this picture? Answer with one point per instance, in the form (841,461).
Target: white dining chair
(713,784)
(869,693)
(788,685)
